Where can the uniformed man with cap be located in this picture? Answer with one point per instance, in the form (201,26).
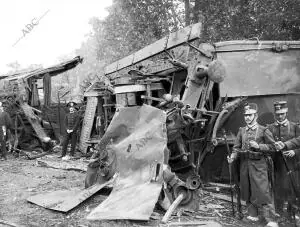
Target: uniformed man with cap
(286,161)
(5,124)
(252,144)
(72,121)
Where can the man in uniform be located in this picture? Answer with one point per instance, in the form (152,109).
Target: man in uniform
(5,124)
(287,181)
(251,146)
(72,121)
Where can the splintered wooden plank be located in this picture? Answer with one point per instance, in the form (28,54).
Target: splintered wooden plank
(88,123)
(193,89)
(179,37)
(65,200)
(65,165)
(125,61)
(136,88)
(196,31)
(150,50)
(34,121)
(111,68)
(225,197)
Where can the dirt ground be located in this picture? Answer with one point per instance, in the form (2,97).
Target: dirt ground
(20,178)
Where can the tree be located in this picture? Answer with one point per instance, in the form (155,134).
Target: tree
(133,24)
(244,19)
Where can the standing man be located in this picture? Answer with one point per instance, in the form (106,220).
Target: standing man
(287,181)
(5,124)
(251,146)
(72,121)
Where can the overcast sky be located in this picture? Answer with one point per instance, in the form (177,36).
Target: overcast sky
(59,32)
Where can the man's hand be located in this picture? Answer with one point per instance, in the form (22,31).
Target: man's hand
(290,153)
(231,158)
(279,145)
(69,130)
(253,144)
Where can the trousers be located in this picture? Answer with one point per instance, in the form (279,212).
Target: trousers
(67,138)
(3,146)
(268,210)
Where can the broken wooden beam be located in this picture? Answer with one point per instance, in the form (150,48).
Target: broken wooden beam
(3,222)
(225,197)
(41,155)
(68,165)
(34,121)
(173,40)
(173,206)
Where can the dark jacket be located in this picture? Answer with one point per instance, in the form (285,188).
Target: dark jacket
(6,121)
(72,121)
(286,133)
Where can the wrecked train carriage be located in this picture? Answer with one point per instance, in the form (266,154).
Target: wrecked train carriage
(173,68)
(179,65)
(27,98)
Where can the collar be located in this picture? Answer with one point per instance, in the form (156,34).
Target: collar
(282,123)
(252,126)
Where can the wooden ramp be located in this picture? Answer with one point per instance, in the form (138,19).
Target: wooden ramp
(88,123)
(34,121)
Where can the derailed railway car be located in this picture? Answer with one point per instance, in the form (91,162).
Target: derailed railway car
(202,87)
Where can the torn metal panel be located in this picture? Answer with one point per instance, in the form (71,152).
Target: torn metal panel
(139,139)
(260,72)
(65,200)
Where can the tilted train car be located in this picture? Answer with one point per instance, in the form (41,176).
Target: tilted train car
(209,83)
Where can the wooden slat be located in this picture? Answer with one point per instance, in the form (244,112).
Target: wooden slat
(65,165)
(88,123)
(196,31)
(177,38)
(136,88)
(32,118)
(111,68)
(150,50)
(186,34)
(95,93)
(125,61)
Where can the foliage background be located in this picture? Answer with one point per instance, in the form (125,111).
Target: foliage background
(133,24)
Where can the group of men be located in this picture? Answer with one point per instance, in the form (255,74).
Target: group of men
(268,155)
